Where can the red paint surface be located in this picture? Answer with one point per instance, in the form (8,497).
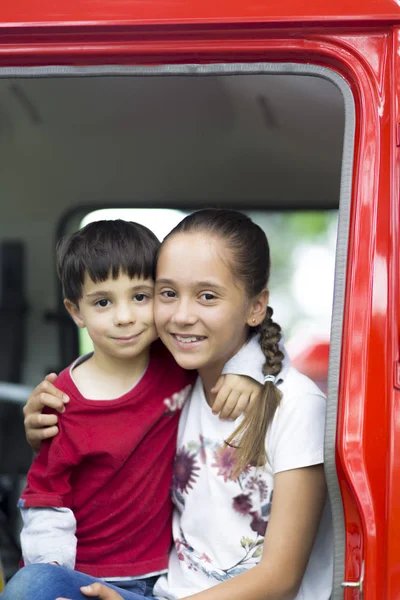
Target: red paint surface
(113,32)
(129,12)
(393,443)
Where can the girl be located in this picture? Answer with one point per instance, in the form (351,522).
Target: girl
(252,520)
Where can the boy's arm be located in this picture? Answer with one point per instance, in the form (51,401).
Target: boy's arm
(249,361)
(47,500)
(48,535)
(241,381)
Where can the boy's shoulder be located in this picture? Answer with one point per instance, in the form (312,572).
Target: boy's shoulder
(64,384)
(64,378)
(65,381)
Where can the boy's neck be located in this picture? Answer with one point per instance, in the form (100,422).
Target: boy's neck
(103,377)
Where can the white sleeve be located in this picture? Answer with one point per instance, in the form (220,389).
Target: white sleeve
(296,436)
(48,535)
(248,361)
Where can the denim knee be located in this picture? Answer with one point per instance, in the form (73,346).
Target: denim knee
(33,582)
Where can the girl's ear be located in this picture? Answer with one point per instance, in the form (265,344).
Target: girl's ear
(73,310)
(258,309)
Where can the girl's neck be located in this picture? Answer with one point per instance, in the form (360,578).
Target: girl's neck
(210,374)
(209,377)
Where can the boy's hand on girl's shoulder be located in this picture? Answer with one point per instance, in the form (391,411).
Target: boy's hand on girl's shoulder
(39,427)
(233,395)
(100,591)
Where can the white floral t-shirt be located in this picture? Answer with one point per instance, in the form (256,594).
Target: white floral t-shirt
(220,521)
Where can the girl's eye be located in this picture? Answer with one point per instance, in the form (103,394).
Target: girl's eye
(208,296)
(168,294)
(103,302)
(140,297)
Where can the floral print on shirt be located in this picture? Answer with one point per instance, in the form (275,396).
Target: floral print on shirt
(253,502)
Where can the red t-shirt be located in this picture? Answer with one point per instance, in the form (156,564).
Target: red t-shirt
(111,464)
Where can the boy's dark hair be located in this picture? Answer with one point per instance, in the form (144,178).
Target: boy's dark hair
(103,249)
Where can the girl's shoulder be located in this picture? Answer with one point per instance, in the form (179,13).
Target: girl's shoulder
(294,384)
(296,436)
(301,397)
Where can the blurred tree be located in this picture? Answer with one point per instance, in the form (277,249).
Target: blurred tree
(290,232)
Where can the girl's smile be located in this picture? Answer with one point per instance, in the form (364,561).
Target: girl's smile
(187,341)
(201,310)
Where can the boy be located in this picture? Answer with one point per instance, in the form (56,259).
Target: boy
(97,496)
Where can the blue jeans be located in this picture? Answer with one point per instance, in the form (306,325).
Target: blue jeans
(48,582)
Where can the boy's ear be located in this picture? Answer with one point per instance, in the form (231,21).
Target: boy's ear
(73,310)
(258,309)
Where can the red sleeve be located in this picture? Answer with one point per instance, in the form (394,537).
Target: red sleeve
(48,481)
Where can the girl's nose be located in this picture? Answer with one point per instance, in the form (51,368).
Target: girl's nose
(184,314)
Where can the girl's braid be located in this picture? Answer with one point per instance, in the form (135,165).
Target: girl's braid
(270,336)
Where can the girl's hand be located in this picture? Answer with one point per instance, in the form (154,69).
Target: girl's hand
(99,591)
(234,394)
(39,427)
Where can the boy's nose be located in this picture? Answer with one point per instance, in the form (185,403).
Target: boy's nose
(124,315)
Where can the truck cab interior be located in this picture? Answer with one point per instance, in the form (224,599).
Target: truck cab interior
(157,144)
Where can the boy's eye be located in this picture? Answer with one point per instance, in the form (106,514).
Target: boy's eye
(103,302)
(140,297)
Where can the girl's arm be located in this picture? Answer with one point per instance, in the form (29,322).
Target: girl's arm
(39,427)
(233,394)
(299,499)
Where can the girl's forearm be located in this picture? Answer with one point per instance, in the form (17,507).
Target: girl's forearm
(255,584)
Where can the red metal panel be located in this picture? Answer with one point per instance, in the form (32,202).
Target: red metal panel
(363,434)
(366,459)
(393,492)
(107,12)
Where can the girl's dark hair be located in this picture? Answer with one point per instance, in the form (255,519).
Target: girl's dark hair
(103,249)
(250,264)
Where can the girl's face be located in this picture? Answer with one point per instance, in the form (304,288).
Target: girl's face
(202,313)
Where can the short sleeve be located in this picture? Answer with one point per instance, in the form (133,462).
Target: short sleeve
(48,480)
(296,436)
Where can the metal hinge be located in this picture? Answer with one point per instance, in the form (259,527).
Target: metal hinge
(356,584)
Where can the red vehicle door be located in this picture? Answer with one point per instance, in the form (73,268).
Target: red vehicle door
(358,40)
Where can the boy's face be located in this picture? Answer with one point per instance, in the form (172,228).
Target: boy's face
(118,315)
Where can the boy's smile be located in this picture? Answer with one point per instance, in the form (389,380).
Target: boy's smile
(118,315)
